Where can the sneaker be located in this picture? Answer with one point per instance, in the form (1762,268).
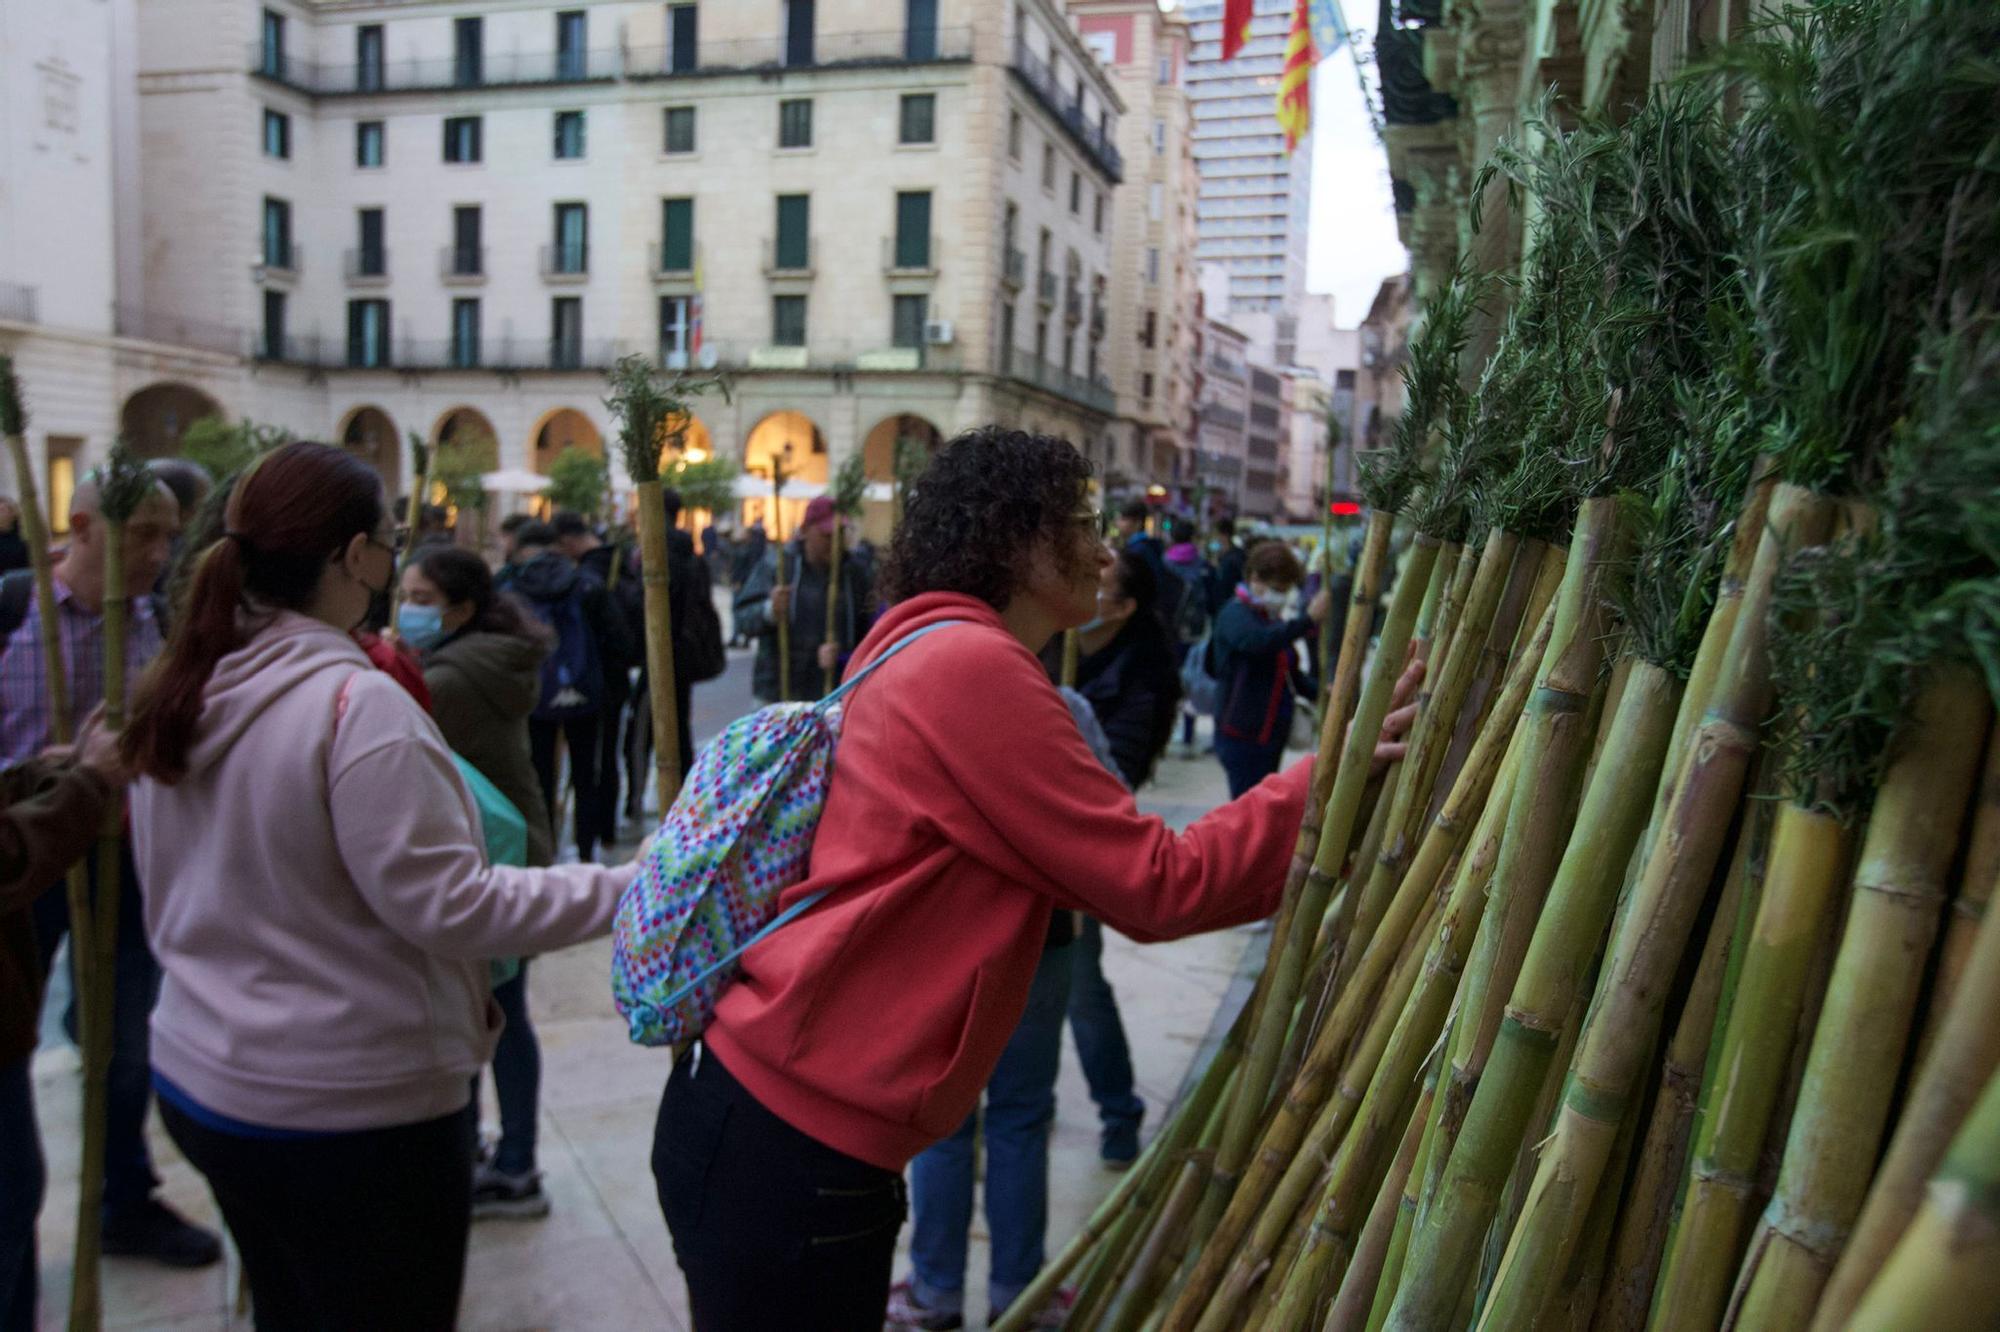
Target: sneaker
(497,1194)
(1119,1147)
(152,1229)
(905,1312)
(1053,1316)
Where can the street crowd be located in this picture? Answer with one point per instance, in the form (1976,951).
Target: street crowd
(322,943)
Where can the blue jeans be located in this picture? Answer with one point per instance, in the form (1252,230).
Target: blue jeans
(517,1078)
(1100,1037)
(128,1164)
(1020,1108)
(1246,762)
(22,1175)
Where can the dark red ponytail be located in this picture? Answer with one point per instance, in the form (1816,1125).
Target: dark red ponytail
(287,518)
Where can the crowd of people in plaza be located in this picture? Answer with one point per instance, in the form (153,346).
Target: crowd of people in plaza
(321,946)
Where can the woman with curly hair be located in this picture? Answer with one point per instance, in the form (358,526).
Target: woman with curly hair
(965,810)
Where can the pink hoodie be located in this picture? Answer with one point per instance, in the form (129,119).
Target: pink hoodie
(320,900)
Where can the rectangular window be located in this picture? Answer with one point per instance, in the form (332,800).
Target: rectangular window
(795,123)
(794,226)
(681,39)
(798,32)
(368,57)
(566,333)
(1014,135)
(272,62)
(465,332)
(680,129)
(1006,339)
(371,256)
(277,133)
(273,345)
(1156,201)
(1159,136)
(920,30)
(571,36)
(1075,194)
(468,48)
(461,139)
(1152,263)
(572,238)
(368,333)
(569,135)
(916,118)
(369,145)
(913,229)
(1049,167)
(1146,386)
(675,331)
(906,322)
(467,250)
(277,234)
(1165,72)
(788,321)
(676,235)
(1149,328)
(1097,213)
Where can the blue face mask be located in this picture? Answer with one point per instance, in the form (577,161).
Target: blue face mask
(420,626)
(1092,626)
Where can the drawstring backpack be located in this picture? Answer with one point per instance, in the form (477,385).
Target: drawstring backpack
(739,834)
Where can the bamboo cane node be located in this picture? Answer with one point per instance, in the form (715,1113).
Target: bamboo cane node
(1967,1210)
(1965,908)
(1594,1101)
(1317,879)
(1822,1240)
(1920,895)
(1553,698)
(1735,1183)
(1537,1028)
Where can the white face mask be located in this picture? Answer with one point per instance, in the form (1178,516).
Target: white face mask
(1271,599)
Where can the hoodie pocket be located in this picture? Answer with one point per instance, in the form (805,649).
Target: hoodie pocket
(953,1094)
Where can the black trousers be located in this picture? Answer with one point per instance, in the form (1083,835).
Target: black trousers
(772,1228)
(639,740)
(356,1230)
(579,734)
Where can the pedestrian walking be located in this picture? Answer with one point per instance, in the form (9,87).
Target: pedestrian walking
(627,597)
(791,584)
(319,897)
(1133,536)
(964,809)
(1258,665)
(590,639)
(134,1221)
(1226,557)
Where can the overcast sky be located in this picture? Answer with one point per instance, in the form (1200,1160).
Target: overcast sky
(1352,245)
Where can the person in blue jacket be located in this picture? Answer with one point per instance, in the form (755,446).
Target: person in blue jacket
(1258,665)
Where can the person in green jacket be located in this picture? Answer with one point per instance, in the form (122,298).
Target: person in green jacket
(482,659)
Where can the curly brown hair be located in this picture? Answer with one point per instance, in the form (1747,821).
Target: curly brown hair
(974,514)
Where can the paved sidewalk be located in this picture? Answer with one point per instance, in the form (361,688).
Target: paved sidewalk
(602,1258)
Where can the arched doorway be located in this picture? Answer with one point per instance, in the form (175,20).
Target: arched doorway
(463,449)
(564,428)
(369,432)
(919,439)
(154,419)
(789,438)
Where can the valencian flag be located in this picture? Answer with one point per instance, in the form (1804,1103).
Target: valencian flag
(1295,81)
(1235,26)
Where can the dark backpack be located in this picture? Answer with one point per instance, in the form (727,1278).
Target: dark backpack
(572,676)
(16,588)
(698,646)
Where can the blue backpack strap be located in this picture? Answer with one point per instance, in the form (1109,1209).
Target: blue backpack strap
(727,960)
(887,653)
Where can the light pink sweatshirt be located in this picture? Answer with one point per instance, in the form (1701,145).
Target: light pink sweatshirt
(320,901)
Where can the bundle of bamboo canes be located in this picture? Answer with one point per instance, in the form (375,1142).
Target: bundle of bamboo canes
(1674,910)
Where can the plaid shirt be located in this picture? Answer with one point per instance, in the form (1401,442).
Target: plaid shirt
(27,725)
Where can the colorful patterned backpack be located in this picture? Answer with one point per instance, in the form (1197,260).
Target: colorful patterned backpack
(739,834)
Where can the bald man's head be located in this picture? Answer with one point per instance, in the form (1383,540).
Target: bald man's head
(149,537)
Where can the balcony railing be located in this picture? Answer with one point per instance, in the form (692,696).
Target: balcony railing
(1094,140)
(894,46)
(365,264)
(566,260)
(899,259)
(1015,268)
(1095,394)
(1072,304)
(284,260)
(1045,287)
(18,303)
(787,261)
(819,354)
(462,263)
(131,321)
(662,265)
(494,69)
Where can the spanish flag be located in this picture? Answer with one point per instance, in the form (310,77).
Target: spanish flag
(1235,25)
(1295,82)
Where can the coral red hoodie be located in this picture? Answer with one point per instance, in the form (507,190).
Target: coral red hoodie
(964,809)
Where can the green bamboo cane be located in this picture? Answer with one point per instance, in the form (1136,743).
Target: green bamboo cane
(1531,587)
(413,513)
(1342,806)
(1944,1273)
(1962,1060)
(1383,1292)
(1579,906)
(1326,645)
(1652,935)
(1277,1151)
(1364,593)
(1572,1304)
(1463,568)
(1644,1229)
(1157,1261)
(1808,868)
(1892,922)
(1364,1272)
(1975,891)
